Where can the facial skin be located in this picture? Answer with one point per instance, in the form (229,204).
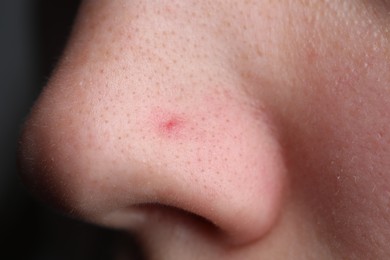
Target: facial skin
(222,129)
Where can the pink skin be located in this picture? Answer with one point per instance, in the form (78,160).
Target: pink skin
(170,127)
(222,129)
(168,124)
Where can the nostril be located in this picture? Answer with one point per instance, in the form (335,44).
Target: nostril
(157,213)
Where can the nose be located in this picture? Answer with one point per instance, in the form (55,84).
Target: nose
(141,128)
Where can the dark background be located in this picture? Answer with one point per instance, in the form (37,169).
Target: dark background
(32,37)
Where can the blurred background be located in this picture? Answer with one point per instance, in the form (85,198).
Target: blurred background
(33,35)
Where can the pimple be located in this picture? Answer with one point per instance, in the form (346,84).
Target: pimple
(169,124)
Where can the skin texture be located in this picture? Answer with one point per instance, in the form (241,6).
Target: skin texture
(222,129)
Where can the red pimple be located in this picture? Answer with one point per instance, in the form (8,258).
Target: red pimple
(171,127)
(168,124)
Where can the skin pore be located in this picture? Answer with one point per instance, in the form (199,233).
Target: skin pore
(222,129)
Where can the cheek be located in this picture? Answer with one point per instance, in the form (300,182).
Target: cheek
(343,138)
(338,137)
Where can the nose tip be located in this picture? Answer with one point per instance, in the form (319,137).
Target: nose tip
(225,167)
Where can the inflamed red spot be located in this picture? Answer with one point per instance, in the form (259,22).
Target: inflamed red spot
(168,124)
